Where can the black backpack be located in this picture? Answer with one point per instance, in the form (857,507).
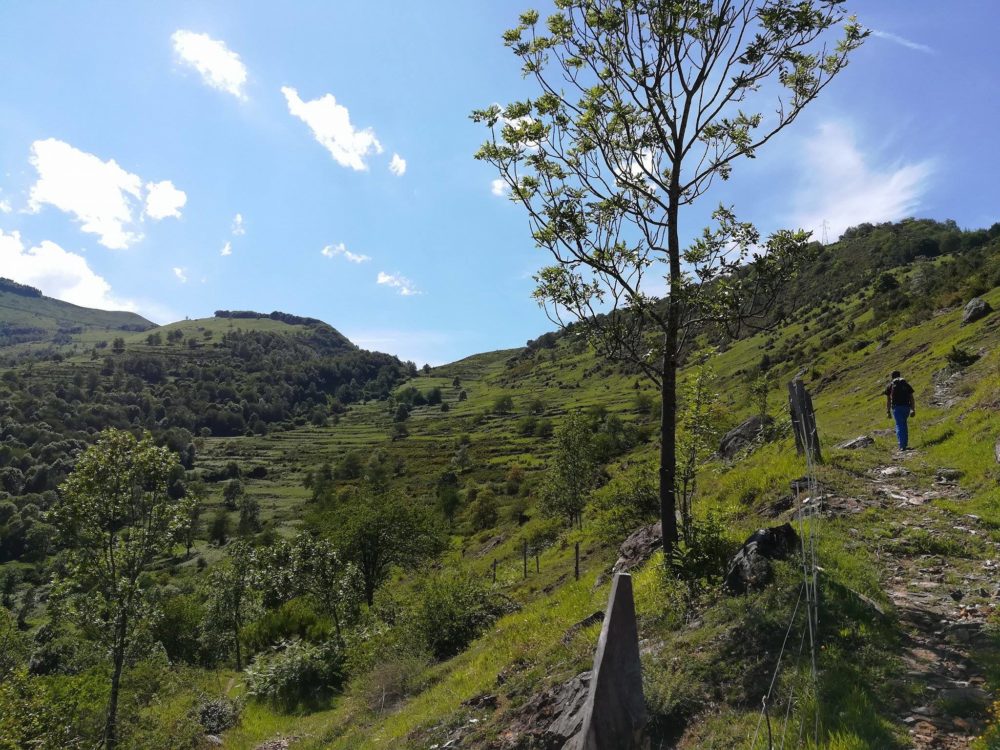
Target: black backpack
(900,392)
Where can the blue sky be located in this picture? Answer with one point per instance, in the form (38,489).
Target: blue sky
(178,158)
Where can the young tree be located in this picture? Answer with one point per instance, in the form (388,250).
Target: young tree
(699,423)
(573,473)
(116,517)
(234,594)
(192,523)
(319,571)
(383,530)
(642,106)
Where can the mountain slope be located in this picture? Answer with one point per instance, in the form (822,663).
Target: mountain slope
(474,439)
(26,316)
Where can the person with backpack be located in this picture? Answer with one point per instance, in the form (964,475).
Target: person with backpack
(899,405)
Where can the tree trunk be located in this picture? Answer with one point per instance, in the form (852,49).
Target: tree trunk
(118,656)
(668,380)
(239,653)
(668,451)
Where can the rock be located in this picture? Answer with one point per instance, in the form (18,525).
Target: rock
(862,441)
(586,622)
(213,739)
(750,569)
(948,475)
(551,718)
(957,595)
(966,696)
(996,451)
(638,547)
(483,701)
(743,435)
(976,309)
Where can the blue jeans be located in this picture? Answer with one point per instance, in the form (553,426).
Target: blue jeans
(900,414)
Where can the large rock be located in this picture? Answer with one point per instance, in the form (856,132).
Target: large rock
(743,435)
(550,719)
(996,451)
(863,441)
(750,569)
(975,310)
(638,548)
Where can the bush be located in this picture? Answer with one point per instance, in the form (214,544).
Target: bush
(297,674)
(959,357)
(295,619)
(624,504)
(483,511)
(503,405)
(454,610)
(217,715)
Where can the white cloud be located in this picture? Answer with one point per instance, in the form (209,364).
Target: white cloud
(163,200)
(57,272)
(398,165)
(498,187)
(219,66)
(843,188)
(332,251)
(181,274)
(331,125)
(903,41)
(100,194)
(227,249)
(5,207)
(403,284)
(238,229)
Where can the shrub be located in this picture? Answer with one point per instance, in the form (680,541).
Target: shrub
(959,357)
(503,405)
(217,715)
(297,674)
(454,610)
(483,512)
(624,504)
(295,619)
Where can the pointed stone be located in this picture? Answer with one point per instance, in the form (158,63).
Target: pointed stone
(615,712)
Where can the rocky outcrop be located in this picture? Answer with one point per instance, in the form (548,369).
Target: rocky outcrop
(550,719)
(862,441)
(976,309)
(743,435)
(750,569)
(638,548)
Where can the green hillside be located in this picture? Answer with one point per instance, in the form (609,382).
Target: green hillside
(27,317)
(465,645)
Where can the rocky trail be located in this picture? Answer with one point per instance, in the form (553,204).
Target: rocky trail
(943,598)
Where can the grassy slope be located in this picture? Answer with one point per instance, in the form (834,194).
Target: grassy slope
(709,695)
(51,315)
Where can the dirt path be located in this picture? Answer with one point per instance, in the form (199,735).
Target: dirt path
(943,599)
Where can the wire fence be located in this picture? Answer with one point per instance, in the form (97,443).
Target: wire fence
(807,508)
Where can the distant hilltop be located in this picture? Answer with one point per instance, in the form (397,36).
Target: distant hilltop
(7,285)
(294,320)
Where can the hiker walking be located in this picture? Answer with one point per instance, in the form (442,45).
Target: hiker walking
(899,405)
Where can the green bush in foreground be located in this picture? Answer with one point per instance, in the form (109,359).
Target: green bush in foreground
(297,674)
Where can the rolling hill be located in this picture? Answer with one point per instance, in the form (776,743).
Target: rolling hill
(28,317)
